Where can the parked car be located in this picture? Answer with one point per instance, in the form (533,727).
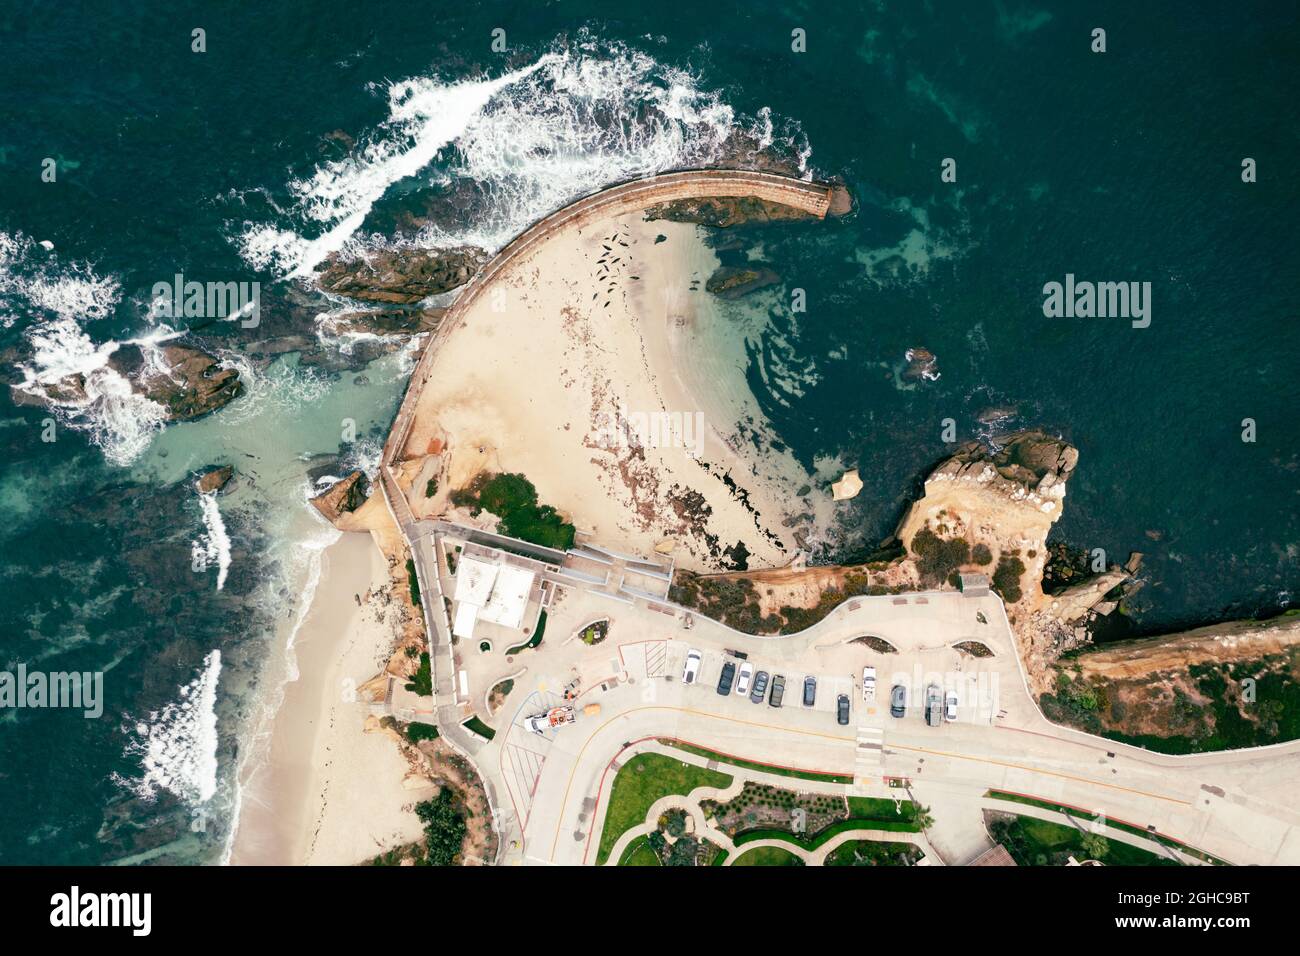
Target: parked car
(950,706)
(842,709)
(692,669)
(760,688)
(743,678)
(809,691)
(898,701)
(868,684)
(933,705)
(726,677)
(778,691)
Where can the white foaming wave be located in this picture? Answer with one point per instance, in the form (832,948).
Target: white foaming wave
(423,119)
(588,119)
(533,139)
(56,299)
(214,544)
(177,745)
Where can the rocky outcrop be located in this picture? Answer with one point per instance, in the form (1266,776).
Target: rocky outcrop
(731,282)
(343,496)
(401,276)
(190,383)
(921,365)
(724,211)
(1231,641)
(848,486)
(214,480)
(386,322)
(1031,468)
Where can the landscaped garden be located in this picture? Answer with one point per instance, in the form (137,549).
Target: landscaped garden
(595,632)
(639,783)
(873,853)
(809,820)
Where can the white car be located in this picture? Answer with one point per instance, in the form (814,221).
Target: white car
(868,684)
(743,678)
(692,669)
(950,706)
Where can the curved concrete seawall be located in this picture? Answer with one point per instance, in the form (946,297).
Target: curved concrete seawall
(810,197)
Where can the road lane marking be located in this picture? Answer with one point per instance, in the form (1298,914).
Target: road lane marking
(1047,773)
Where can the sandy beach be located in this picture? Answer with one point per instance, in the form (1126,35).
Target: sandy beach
(327,792)
(635,417)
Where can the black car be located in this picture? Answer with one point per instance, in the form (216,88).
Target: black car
(842,709)
(898,701)
(727,676)
(760,688)
(778,691)
(809,691)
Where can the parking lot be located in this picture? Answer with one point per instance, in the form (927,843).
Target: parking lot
(976,689)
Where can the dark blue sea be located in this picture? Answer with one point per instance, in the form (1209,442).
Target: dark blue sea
(305,128)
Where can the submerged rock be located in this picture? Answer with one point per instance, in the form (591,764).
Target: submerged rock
(731,282)
(401,276)
(921,365)
(724,211)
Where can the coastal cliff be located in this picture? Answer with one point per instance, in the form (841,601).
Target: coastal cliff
(1229,685)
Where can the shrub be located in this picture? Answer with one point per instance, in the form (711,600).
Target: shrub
(414,581)
(1006,578)
(416,731)
(422,680)
(938,558)
(981,554)
(513,499)
(444,829)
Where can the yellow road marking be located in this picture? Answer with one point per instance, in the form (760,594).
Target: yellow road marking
(1048,773)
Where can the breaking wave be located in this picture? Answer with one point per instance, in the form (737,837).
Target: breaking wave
(213,546)
(177,745)
(64,367)
(526,142)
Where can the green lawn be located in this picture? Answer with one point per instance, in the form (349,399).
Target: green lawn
(1034,842)
(754,765)
(768,856)
(638,853)
(476,725)
(639,783)
(1112,824)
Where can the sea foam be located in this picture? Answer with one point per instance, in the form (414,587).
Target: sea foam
(530,141)
(177,745)
(64,367)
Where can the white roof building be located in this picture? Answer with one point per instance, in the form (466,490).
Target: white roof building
(491,592)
